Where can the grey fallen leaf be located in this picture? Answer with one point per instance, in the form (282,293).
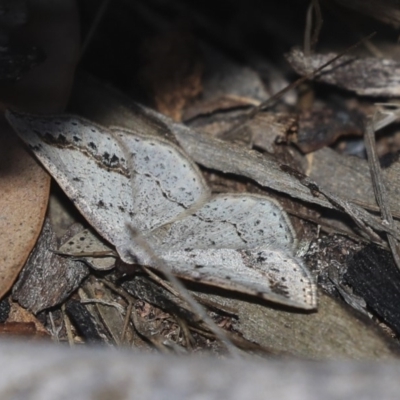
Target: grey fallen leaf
(261,131)
(238,242)
(85,243)
(226,85)
(47,279)
(365,76)
(351,178)
(334,332)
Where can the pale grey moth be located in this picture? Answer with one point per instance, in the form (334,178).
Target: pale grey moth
(239,242)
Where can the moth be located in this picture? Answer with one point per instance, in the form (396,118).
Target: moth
(126,181)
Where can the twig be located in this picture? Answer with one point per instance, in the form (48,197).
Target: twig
(93,254)
(67,323)
(126,322)
(161,282)
(379,187)
(104,303)
(55,331)
(310,40)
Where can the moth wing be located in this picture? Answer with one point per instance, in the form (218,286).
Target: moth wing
(240,242)
(87,163)
(230,221)
(165,182)
(269,274)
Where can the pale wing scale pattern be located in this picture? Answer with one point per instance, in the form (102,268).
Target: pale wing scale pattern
(270,274)
(233,221)
(166,183)
(239,242)
(87,163)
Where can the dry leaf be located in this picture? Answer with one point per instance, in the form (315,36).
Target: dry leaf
(24,188)
(22,316)
(262,131)
(323,127)
(226,85)
(349,176)
(333,332)
(47,279)
(365,76)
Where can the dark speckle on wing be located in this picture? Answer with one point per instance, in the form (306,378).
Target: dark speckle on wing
(278,287)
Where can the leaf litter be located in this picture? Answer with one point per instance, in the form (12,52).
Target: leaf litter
(267,170)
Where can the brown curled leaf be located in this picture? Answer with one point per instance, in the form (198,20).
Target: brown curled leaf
(24,188)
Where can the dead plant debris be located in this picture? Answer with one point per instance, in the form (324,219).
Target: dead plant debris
(194,77)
